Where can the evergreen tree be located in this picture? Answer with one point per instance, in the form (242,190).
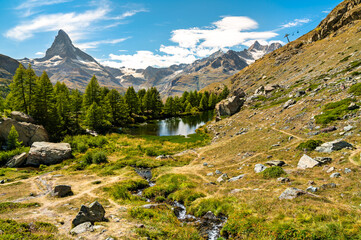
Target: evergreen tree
(12,141)
(177,105)
(95,119)
(76,100)
(30,87)
(63,108)
(2,105)
(131,98)
(188,108)
(156,102)
(169,106)
(19,91)
(224,94)
(203,105)
(212,101)
(92,93)
(141,94)
(116,107)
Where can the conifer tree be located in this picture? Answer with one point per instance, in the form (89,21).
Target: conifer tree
(116,107)
(92,93)
(131,98)
(76,100)
(169,106)
(63,108)
(95,119)
(212,101)
(30,87)
(188,108)
(224,94)
(18,90)
(203,105)
(12,141)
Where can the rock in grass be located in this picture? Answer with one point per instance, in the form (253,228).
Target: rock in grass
(94,213)
(17,161)
(347,170)
(218,172)
(291,193)
(283,180)
(328,185)
(312,189)
(62,191)
(307,162)
(236,178)
(259,168)
(48,153)
(82,228)
(224,177)
(335,175)
(334,146)
(276,163)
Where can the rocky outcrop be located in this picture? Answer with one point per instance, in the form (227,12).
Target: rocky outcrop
(259,168)
(291,193)
(231,105)
(48,153)
(21,117)
(94,213)
(308,162)
(345,13)
(82,228)
(17,161)
(28,132)
(336,145)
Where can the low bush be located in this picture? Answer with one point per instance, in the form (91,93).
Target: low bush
(217,206)
(5,156)
(309,146)
(334,111)
(100,157)
(122,190)
(273,172)
(31,231)
(355,89)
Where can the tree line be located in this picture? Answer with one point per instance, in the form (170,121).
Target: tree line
(63,111)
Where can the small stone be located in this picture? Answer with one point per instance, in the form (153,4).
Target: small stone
(283,179)
(259,168)
(331,169)
(312,189)
(224,177)
(218,172)
(82,228)
(328,185)
(348,128)
(210,174)
(347,170)
(210,166)
(205,164)
(236,178)
(276,163)
(353,106)
(311,182)
(335,175)
(291,193)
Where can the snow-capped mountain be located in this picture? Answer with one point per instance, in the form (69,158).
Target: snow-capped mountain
(65,63)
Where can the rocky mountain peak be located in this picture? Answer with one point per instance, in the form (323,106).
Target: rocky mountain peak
(255,46)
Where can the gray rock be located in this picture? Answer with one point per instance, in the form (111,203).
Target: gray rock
(152,206)
(210,216)
(300,93)
(329,129)
(334,146)
(205,164)
(307,162)
(94,213)
(62,191)
(162,157)
(353,106)
(312,189)
(347,170)
(224,177)
(348,128)
(276,163)
(48,153)
(328,185)
(289,103)
(259,168)
(210,174)
(283,179)
(323,160)
(331,169)
(229,106)
(236,178)
(271,88)
(21,117)
(218,172)
(28,132)
(335,175)
(291,193)
(17,161)
(82,228)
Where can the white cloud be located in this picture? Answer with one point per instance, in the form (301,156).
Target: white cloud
(94,44)
(129,13)
(296,22)
(326,11)
(194,43)
(29,5)
(40,53)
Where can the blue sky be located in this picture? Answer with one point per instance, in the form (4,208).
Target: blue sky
(153,32)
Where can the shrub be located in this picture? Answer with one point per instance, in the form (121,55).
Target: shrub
(88,158)
(333,111)
(355,89)
(216,205)
(12,141)
(5,156)
(273,172)
(100,157)
(309,146)
(122,189)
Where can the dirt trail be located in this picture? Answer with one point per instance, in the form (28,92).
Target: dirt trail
(357,151)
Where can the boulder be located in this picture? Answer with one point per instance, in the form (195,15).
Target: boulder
(300,93)
(347,170)
(48,153)
(21,117)
(307,162)
(353,106)
(17,161)
(348,128)
(291,193)
(312,189)
(239,93)
(259,168)
(328,185)
(259,90)
(276,163)
(289,103)
(229,106)
(283,180)
(94,213)
(82,228)
(335,175)
(329,129)
(236,178)
(62,191)
(336,145)
(270,88)
(28,132)
(210,216)
(224,177)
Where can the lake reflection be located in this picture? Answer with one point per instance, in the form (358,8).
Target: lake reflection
(171,126)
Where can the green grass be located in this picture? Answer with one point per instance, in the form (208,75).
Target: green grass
(10,206)
(12,230)
(355,89)
(334,111)
(217,206)
(124,189)
(5,156)
(273,172)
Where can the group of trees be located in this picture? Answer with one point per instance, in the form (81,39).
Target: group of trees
(63,112)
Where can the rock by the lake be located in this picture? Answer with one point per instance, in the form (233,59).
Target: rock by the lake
(335,175)
(291,193)
(82,228)
(236,178)
(347,170)
(259,168)
(209,216)
(17,161)
(307,162)
(283,180)
(289,103)
(21,117)
(276,163)
(229,106)
(224,177)
(94,213)
(48,153)
(62,191)
(336,145)
(28,132)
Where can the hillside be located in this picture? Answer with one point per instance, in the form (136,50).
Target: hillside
(8,66)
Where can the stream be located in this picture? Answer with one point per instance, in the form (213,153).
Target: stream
(209,225)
